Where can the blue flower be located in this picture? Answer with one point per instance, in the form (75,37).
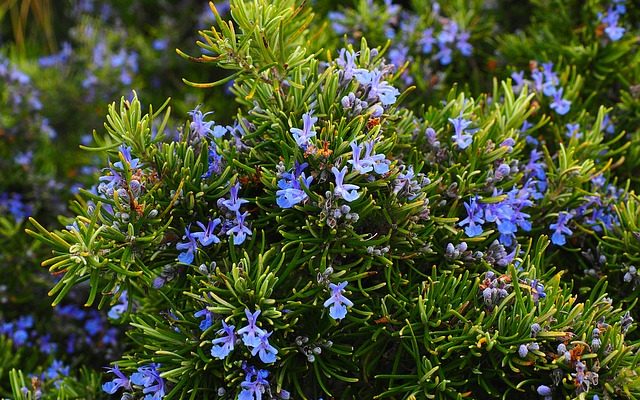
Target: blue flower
(125,155)
(112,178)
(222,346)
(370,161)
(234,203)
(117,310)
(120,381)
(463,45)
(149,378)
(302,136)
(560,105)
(537,290)
(251,333)
(215,162)
(208,318)
(46,346)
(523,351)
(56,371)
(474,218)
(607,125)
(461,138)
(266,352)
(357,164)
(254,384)
(444,55)
(239,230)
(538,80)
(206,237)
(346,191)
(337,303)
(427,41)
(518,81)
(544,390)
(189,247)
(612,29)
(378,161)
(560,229)
(291,192)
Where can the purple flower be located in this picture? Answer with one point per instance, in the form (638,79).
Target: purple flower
(266,352)
(189,247)
(444,55)
(337,303)
(302,136)
(251,333)
(369,162)
(14,205)
(215,162)
(222,346)
(448,33)
(120,381)
(523,351)
(234,203)
(463,45)
(346,191)
(560,105)
(206,237)
(203,128)
(112,179)
(239,230)
(560,229)
(378,89)
(406,184)
(427,41)
(474,218)
(538,80)
(346,61)
(573,130)
(461,138)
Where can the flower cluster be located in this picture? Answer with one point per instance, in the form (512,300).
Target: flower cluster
(255,338)
(545,81)
(15,205)
(494,289)
(611,18)
(146,380)
(291,186)
(371,84)
(233,225)
(506,214)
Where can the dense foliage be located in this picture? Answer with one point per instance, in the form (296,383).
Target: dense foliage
(365,200)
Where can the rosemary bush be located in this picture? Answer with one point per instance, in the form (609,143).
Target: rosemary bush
(407,203)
